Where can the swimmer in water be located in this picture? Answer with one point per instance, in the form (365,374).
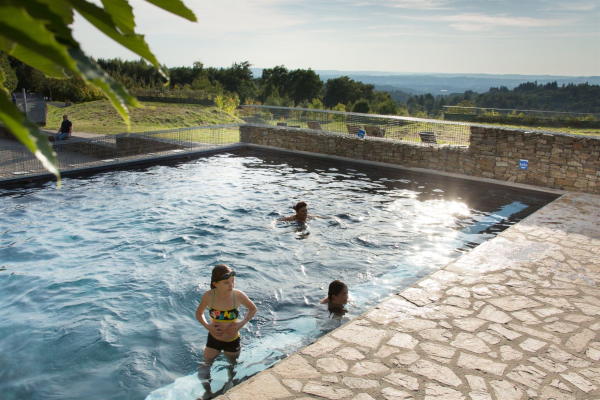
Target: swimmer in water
(301,215)
(337,298)
(223,302)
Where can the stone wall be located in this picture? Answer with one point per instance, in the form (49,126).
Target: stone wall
(556,161)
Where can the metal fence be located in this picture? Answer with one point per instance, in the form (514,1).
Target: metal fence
(522,117)
(80,152)
(414,130)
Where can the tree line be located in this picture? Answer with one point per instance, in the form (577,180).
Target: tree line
(571,98)
(279,86)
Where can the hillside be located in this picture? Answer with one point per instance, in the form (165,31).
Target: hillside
(101,117)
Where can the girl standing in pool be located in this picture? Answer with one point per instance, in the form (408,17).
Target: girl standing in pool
(301,209)
(337,298)
(223,302)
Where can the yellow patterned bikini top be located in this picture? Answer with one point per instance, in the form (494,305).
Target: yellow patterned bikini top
(223,315)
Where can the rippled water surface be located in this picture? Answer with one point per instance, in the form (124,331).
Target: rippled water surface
(100,280)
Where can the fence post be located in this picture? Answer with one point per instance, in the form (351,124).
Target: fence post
(24,102)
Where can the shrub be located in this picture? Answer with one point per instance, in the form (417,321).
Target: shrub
(362,106)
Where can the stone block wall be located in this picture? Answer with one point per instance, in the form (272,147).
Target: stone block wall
(555,161)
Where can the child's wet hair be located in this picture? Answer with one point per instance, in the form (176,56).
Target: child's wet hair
(217,272)
(335,288)
(299,205)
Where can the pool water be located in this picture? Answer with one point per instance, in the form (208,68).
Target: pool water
(100,280)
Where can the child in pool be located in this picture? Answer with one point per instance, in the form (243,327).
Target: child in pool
(301,215)
(337,298)
(223,302)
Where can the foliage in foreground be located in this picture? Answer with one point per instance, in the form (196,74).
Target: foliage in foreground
(38,33)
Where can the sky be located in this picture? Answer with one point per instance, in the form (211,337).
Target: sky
(536,37)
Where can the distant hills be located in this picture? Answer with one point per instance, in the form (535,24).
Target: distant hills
(416,83)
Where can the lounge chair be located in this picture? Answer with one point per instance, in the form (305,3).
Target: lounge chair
(353,129)
(374,131)
(314,125)
(428,137)
(282,124)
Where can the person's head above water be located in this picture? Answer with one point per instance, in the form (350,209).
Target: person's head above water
(220,272)
(338,292)
(301,209)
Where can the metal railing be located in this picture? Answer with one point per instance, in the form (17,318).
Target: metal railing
(387,127)
(522,117)
(78,152)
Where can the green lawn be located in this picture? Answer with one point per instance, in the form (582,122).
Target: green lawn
(575,131)
(101,117)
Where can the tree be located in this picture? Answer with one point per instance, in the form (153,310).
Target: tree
(388,107)
(339,117)
(344,90)
(362,106)
(38,33)
(10,78)
(238,79)
(304,84)
(339,90)
(298,85)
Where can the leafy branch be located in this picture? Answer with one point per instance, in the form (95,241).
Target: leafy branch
(38,33)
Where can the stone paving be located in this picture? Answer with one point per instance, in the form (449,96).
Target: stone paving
(518,317)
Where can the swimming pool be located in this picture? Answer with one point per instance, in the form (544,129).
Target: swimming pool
(100,280)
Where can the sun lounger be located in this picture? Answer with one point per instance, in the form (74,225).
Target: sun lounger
(374,131)
(353,129)
(313,125)
(428,137)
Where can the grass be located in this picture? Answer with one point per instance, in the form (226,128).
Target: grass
(568,129)
(101,117)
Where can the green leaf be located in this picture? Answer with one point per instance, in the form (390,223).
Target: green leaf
(176,7)
(102,20)
(19,27)
(118,96)
(121,13)
(56,15)
(27,132)
(32,58)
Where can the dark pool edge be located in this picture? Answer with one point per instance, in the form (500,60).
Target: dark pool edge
(452,175)
(46,177)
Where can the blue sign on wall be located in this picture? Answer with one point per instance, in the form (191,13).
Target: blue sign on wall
(523,164)
(361,133)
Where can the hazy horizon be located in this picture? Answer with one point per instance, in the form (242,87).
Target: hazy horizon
(549,37)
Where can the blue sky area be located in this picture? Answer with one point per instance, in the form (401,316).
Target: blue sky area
(446,36)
